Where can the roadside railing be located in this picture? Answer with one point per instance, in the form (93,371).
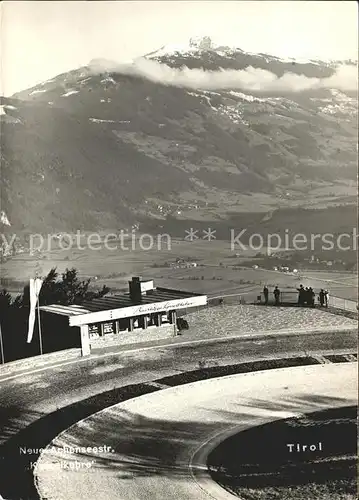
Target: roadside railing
(232,298)
(227,299)
(291,297)
(345,304)
(287,298)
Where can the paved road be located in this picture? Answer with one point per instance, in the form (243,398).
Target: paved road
(157,443)
(29,398)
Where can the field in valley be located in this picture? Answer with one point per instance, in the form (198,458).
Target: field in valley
(218,269)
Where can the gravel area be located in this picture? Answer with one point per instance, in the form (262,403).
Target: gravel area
(234,319)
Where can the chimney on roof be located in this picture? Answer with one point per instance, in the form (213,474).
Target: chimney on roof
(135,289)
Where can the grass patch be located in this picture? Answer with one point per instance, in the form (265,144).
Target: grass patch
(204,373)
(336,358)
(258,464)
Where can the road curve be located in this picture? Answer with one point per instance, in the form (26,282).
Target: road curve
(157,443)
(36,406)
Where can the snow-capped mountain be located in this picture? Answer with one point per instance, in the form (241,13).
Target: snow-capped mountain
(193,46)
(196,46)
(199,47)
(107,144)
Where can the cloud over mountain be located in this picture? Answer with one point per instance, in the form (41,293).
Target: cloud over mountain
(253,79)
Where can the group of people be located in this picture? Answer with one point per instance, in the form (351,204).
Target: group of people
(276,293)
(306,296)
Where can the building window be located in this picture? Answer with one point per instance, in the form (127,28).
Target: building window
(94,331)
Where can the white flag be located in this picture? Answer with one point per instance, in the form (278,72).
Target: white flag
(35,287)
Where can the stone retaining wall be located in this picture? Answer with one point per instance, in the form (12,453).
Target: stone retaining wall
(137,336)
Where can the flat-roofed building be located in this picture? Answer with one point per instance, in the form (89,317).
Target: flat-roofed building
(143,314)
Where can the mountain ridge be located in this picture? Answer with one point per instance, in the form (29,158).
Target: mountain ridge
(99,149)
(207,43)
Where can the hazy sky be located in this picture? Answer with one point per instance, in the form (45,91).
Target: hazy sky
(42,39)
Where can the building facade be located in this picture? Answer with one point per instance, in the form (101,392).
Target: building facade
(144,314)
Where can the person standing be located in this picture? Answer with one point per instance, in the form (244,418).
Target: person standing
(276,294)
(321,298)
(265,293)
(326,298)
(311,297)
(301,293)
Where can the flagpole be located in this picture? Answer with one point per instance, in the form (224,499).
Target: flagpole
(38,316)
(39,324)
(1,347)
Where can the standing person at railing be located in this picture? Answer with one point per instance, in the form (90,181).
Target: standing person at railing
(301,295)
(276,294)
(321,297)
(265,293)
(311,297)
(326,298)
(307,297)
